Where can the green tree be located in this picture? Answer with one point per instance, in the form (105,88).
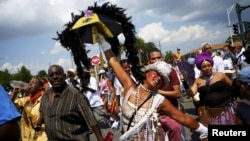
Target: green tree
(41,74)
(145,50)
(140,45)
(169,57)
(238,38)
(5,78)
(247,36)
(23,75)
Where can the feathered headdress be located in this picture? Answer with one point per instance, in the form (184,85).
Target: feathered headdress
(71,40)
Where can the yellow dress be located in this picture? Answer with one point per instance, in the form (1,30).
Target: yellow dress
(30,115)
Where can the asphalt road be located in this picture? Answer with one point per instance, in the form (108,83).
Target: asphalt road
(190,110)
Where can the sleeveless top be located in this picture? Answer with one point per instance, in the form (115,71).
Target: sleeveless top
(142,116)
(214,95)
(128,109)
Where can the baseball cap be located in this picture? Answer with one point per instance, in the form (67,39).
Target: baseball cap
(191,61)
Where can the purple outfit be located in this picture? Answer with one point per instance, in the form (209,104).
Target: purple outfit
(202,57)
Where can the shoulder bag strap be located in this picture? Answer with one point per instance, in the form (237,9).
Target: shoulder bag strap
(134,113)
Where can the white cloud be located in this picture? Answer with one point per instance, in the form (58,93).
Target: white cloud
(65,63)
(9,67)
(170,39)
(57,48)
(156,32)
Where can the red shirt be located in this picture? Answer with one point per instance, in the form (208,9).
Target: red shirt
(174,80)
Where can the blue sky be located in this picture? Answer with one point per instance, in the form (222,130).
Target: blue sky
(28,26)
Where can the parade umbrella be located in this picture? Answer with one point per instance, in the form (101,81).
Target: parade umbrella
(87,26)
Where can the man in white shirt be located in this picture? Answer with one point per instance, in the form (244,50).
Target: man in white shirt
(229,58)
(72,79)
(95,100)
(239,55)
(218,61)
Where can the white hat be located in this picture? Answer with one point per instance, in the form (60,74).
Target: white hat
(71,70)
(162,68)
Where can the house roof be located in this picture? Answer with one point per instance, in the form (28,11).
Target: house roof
(214,47)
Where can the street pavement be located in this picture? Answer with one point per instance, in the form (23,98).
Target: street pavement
(190,110)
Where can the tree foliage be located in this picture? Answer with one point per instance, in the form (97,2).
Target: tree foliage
(170,57)
(5,78)
(23,75)
(143,49)
(235,38)
(41,74)
(238,38)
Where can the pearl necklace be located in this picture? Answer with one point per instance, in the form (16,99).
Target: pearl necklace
(137,104)
(145,89)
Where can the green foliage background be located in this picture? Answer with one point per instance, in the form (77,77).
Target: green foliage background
(23,74)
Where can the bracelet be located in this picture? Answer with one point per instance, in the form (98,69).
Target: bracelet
(185,84)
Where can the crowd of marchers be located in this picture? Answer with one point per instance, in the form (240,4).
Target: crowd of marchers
(117,106)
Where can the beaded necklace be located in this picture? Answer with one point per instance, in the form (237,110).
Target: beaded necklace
(147,90)
(137,103)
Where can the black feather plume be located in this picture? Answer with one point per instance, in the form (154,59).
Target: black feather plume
(71,40)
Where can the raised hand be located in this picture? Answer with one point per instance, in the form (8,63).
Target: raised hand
(101,40)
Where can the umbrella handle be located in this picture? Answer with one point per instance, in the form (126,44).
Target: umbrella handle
(100,38)
(98,34)
(94,30)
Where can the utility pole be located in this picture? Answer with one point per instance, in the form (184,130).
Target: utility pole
(239,9)
(72,60)
(229,23)
(160,46)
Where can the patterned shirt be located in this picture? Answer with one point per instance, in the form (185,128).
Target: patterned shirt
(69,117)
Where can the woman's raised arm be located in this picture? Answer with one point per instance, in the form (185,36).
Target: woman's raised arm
(122,76)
